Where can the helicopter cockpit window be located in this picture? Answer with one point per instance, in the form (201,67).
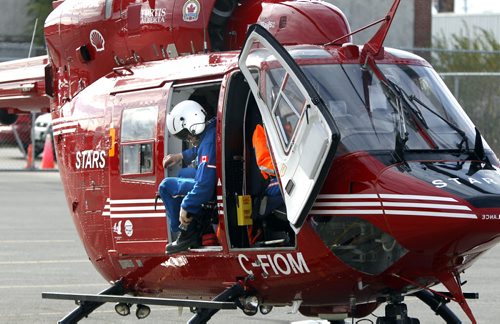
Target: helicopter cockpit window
(368,117)
(137,140)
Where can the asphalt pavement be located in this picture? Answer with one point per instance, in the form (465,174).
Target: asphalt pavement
(40,251)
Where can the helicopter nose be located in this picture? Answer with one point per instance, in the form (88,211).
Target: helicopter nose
(460,217)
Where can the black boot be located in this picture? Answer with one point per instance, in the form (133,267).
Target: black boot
(189,238)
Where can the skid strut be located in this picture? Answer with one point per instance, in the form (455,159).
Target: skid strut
(231,294)
(86,307)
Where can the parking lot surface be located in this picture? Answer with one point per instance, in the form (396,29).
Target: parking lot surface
(40,251)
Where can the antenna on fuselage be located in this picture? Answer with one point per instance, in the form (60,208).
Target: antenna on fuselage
(372,49)
(376,42)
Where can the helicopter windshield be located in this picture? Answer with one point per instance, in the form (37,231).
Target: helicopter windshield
(370,118)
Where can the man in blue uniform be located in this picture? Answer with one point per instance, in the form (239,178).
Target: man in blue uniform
(183,196)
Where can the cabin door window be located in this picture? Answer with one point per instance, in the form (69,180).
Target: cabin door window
(137,139)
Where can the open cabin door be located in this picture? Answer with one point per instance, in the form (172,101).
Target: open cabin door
(301,132)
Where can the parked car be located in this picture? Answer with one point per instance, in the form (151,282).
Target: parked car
(43,127)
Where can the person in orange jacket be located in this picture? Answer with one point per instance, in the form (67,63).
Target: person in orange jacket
(265,163)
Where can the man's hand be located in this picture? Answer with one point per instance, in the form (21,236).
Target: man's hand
(171,160)
(184,217)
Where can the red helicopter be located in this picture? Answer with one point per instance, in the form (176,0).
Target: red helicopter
(389,188)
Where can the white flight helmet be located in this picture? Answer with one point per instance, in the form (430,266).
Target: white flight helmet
(187,117)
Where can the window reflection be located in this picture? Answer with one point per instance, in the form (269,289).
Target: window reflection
(139,123)
(108,10)
(137,158)
(137,140)
(285,101)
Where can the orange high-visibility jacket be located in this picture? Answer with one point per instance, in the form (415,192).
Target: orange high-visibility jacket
(262,154)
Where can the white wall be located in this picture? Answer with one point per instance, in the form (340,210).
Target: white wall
(448,24)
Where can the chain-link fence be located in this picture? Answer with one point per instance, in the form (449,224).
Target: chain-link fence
(27,144)
(479,95)
(16,51)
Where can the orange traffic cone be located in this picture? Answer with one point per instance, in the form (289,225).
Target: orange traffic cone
(48,154)
(29,157)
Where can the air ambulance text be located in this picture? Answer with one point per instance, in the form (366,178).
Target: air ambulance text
(90,159)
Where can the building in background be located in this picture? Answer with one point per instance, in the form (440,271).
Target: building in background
(444,5)
(465,18)
(448,24)
(13,21)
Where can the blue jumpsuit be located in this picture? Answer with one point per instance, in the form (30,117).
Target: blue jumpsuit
(187,192)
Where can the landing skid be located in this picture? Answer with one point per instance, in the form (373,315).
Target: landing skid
(438,305)
(86,307)
(88,303)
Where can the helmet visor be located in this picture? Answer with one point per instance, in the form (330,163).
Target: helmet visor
(183,134)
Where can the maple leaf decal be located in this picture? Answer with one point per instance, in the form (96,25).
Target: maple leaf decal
(191,8)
